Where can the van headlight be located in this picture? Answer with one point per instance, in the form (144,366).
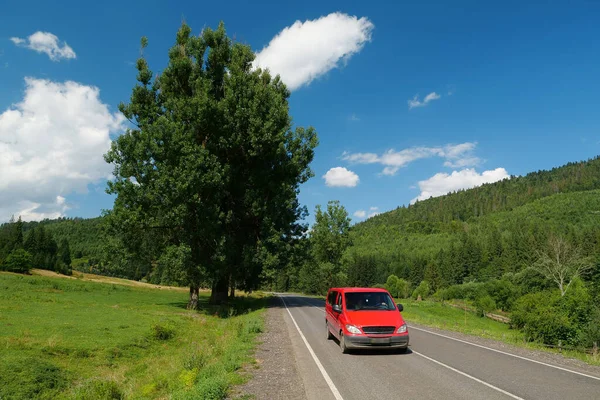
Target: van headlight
(352,329)
(403,328)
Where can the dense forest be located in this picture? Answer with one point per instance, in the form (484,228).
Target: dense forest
(35,247)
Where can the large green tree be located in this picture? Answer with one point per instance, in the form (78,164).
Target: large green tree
(211,159)
(331,233)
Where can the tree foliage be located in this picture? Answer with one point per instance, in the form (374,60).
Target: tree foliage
(211,160)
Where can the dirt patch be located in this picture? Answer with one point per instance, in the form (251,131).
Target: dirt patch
(275,375)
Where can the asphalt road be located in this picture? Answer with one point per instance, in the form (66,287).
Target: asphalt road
(435,367)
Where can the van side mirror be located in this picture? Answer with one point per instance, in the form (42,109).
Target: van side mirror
(400,307)
(336,308)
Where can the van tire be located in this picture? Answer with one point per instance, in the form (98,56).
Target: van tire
(343,344)
(329,335)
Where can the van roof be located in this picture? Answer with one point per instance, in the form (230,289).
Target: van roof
(358,289)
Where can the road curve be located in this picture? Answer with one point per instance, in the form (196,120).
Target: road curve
(435,367)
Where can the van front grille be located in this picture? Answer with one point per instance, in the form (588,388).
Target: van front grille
(378,329)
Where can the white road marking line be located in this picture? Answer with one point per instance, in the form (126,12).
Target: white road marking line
(469,376)
(508,354)
(330,383)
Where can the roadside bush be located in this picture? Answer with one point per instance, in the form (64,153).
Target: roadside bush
(504,293)
(542,318)
(485,304)
(422,290)
(591,331)
(398,288)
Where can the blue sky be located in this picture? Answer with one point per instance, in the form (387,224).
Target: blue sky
(496,90)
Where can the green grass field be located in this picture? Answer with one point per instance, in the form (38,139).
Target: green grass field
(73,339)
(441,316)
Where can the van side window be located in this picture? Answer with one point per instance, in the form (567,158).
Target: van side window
(331,298)
(339,300)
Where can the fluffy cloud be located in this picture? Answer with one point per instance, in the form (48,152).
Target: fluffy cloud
(373,211)
(415,102)
(46,42)
(306,50)
(360,214)
(51,144)
(340,177)
(443,183)
(457,156)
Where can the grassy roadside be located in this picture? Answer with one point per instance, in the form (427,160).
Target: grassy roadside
(68,338)
(438,315)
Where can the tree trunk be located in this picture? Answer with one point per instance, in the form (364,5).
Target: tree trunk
(219,291)
(232,292)
(194,293)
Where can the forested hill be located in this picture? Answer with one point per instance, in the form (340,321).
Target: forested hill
(437,215)
(85,235)
(485,232)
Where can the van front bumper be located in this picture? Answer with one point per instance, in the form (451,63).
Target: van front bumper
(361,341)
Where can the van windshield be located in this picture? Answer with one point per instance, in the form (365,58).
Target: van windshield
(356,301)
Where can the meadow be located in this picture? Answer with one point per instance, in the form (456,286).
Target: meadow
(76,339)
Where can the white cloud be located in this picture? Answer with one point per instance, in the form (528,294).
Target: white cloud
(51,144)
(360,214)
(307,50)
(456,156)
(443,183)
(46,42)
(415,102)
(340,177)
(353,117)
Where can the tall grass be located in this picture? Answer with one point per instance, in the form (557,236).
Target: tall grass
(72,339)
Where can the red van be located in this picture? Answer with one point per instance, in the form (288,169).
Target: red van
(365,318)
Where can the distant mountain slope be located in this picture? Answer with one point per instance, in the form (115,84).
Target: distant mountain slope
(484,232)
(86,236)
(438,214)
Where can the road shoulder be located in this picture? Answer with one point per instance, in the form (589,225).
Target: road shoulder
(275,374)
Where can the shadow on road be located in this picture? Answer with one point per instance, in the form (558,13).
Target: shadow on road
(376,351)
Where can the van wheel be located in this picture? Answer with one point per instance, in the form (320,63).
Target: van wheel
(329,335)
(343,344)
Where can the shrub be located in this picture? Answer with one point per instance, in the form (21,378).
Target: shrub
(504,293)
(162,332)
(485,304)
(391,285)
(590,333)
(540,316)
(422,290)
(398,288)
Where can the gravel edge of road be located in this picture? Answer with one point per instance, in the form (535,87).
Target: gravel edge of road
(537,355)
(275,374)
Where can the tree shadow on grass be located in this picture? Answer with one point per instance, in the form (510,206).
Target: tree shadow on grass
(236,306)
